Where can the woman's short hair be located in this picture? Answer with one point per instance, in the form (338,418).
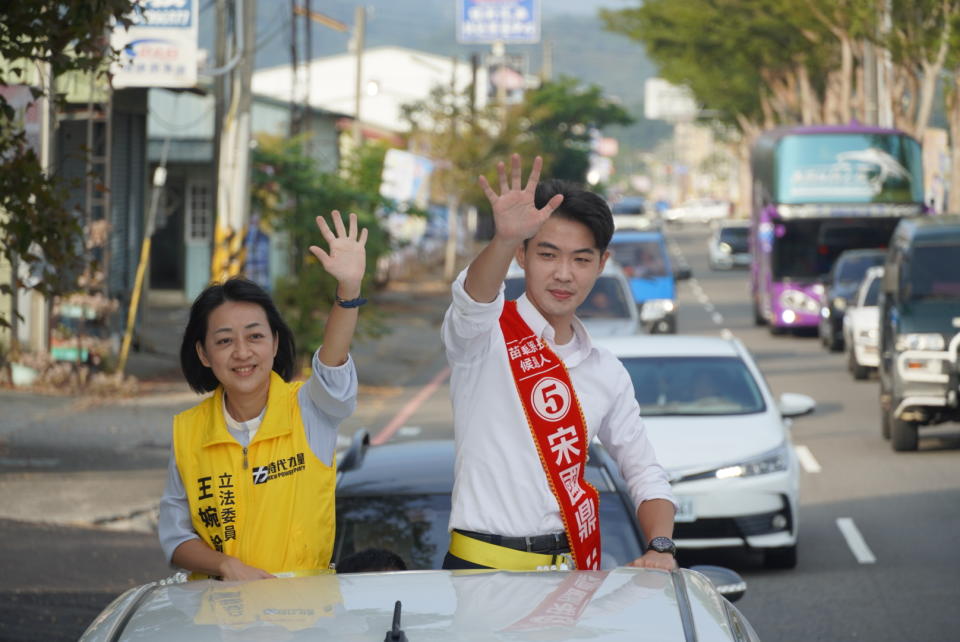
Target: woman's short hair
(200,377)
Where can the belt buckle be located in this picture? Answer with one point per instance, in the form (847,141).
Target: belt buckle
(528,543)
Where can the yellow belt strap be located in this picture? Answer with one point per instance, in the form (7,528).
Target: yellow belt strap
(499,557)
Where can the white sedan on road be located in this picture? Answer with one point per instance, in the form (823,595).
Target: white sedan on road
(861,326)
(723,438)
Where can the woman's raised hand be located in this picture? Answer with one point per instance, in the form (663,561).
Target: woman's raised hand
(514,212)
(347,257)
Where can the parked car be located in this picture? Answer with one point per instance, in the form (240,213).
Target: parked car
(724,440)
(652,276)
(609,309)
(728,246)
(698,210)
(840,287)
(630,212)
(620,604)
(861,326)
(920,328)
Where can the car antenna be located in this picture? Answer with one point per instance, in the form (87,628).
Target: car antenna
(396,634)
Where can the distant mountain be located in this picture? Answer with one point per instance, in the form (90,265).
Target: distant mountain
(581,48)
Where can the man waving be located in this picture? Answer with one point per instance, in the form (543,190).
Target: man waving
(530,392)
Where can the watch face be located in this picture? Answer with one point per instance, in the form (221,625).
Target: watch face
(662,545)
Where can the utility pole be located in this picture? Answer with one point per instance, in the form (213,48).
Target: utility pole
(233,193)
(360,27)
(453,200)
(546,67)
(295,80)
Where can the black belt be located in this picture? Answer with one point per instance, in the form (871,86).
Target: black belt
(551,544)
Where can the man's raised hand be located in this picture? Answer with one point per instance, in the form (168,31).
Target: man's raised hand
(347,257)
(515,214)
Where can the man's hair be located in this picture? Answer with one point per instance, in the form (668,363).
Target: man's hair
(371,560)
(580,205)
(200,377)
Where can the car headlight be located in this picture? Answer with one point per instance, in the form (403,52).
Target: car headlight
(840,303)
(776,460)
(797,300)
(773,461)
(725,248)
(920,341)
(656,309)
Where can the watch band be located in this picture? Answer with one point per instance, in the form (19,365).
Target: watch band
(350,303)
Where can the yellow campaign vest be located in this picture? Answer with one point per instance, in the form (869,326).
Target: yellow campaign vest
(272,506)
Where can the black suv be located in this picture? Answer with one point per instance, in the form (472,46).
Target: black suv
(920,328)
(840,288)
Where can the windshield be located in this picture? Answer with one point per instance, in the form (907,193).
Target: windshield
(931,273)
(607,300)
(735,237)
(693,386)
(851,269)
(415,528)
(849,168)
(640,259)
(628,205)
(873,292)
(806,249)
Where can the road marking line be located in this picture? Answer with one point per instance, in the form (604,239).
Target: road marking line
(708,306)
(410,407)
(726,334)
(858,546)
(807,460)
(717,318)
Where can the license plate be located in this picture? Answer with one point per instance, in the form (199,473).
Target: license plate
(685,512)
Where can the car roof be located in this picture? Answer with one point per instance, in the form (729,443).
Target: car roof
(722,223)
(927,228)
(624,603)
(862,252)
(421,467)
(676,345)
(631,235)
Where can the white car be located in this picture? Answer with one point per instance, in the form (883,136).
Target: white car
(724,440)
(620,604)
(630,213)
(861,326)
(698,210)
(728,246)
(609,310)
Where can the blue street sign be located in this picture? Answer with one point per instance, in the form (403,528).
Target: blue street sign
(506,21)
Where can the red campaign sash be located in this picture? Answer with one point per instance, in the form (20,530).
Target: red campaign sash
(564,606)
(559,431)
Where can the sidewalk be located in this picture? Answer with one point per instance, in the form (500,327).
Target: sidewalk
(102,462)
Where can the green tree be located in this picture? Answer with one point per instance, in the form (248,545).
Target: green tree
(562,116)
(289,193)
(37,230)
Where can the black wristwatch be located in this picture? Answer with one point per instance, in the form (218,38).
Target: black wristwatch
(663,545)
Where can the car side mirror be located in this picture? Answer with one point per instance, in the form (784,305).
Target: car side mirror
(682,273)
(792,404)
(728,583)
(355,453)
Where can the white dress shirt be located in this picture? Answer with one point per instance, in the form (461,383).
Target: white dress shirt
(500,486)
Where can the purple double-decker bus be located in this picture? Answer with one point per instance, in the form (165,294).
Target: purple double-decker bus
(817,191)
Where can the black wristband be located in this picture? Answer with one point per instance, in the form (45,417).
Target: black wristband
(351,303)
